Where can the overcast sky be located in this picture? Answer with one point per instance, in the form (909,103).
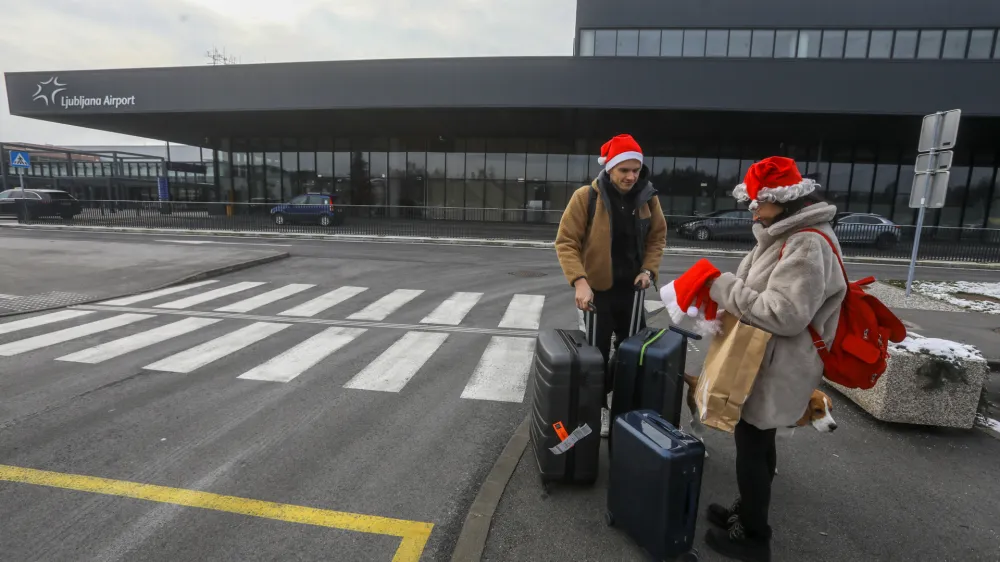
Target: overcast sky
(87,34)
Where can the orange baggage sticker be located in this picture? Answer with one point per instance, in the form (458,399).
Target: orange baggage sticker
(568,442)
(560,430)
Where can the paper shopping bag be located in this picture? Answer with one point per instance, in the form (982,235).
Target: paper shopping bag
(731,366)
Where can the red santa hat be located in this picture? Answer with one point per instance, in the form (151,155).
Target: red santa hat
(686,296)
(776,180)
(618,150)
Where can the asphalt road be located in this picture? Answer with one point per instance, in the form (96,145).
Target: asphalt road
(473,256)
(346,418)
(39,270)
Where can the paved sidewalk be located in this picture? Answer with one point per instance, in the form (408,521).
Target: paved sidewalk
(869,491)
(41,272)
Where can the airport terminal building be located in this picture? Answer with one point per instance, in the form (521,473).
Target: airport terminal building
(706,87)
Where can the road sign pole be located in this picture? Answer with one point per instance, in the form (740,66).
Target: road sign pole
(932,164)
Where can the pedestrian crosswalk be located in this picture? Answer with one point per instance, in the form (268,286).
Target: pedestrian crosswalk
(302,327)
(279,333)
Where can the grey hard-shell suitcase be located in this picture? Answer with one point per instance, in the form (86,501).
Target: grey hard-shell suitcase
(567,388)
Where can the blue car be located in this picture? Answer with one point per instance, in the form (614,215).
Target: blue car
(312,208)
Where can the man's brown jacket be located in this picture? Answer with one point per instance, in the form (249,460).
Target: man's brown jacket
(589,255)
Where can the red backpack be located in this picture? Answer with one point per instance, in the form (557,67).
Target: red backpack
(857,357)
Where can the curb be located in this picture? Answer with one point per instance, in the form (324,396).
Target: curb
(188,279)
(533,244)
(476,529)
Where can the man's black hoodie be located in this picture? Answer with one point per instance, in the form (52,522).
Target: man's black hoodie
(625,259)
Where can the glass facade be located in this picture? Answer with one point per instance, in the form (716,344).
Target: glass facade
(925,44)
(500,179)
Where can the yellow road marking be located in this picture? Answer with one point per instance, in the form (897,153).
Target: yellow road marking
(414,534)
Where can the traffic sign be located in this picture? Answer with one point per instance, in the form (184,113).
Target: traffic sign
(930,192)
(944,159)
(946,123)
(20,159)
(938,135)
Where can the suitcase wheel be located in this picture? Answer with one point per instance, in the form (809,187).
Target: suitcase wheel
(609,518)
(546,485)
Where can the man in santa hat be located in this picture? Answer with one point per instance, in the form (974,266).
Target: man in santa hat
(610,240)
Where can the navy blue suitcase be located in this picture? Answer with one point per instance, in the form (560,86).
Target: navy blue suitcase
(655,483)
(649,370)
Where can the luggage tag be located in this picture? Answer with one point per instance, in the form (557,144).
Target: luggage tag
(568,440)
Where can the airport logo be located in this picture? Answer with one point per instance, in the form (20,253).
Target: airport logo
(52,84)
(48,90)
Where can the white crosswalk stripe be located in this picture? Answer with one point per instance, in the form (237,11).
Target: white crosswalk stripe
(653,305)
(42,320)
(386,305)
(323,302)
(253,303)
(211,351)
(524,312)
(453,310)
(202,298)
(303,356)
(128,301)
(69,334)
(502,373)
(396,366)
(128,344)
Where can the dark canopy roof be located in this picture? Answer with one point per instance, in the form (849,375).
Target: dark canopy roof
(190,104)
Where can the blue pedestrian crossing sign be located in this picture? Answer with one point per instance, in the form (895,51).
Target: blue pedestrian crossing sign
(19,159)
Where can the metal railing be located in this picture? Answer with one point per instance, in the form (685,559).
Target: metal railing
(858,240)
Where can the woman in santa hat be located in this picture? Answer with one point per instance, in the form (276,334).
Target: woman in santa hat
(805,287)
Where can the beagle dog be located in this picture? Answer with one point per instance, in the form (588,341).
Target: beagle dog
(818,412)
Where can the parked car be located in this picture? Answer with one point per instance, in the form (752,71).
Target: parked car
(866,228)
(39,203)
(729,224)
(316,208)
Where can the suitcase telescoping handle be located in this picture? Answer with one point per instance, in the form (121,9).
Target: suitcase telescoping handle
(665,426)
(638,310)
(590,323)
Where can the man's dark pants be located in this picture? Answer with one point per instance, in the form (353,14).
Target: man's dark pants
(614,312)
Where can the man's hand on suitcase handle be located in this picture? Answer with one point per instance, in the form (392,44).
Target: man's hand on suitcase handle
(584,296)
(642,281)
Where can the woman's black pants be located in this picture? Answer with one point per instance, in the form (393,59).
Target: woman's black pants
(756,461)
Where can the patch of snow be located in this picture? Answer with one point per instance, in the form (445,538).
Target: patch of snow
(947,291)
(945,349)
(988,423)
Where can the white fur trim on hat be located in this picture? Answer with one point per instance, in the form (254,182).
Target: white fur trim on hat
(669,297)
(777,194)
(618,159)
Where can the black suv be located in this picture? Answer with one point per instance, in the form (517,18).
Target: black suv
(38,203)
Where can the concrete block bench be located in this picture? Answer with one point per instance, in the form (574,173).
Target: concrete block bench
(928,381)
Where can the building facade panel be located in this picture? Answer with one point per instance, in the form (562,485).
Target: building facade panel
(786,13)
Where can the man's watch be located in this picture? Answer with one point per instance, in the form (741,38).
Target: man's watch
(647,272)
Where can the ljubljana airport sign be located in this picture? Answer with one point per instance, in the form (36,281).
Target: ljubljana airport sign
(107,101)
(50,92)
